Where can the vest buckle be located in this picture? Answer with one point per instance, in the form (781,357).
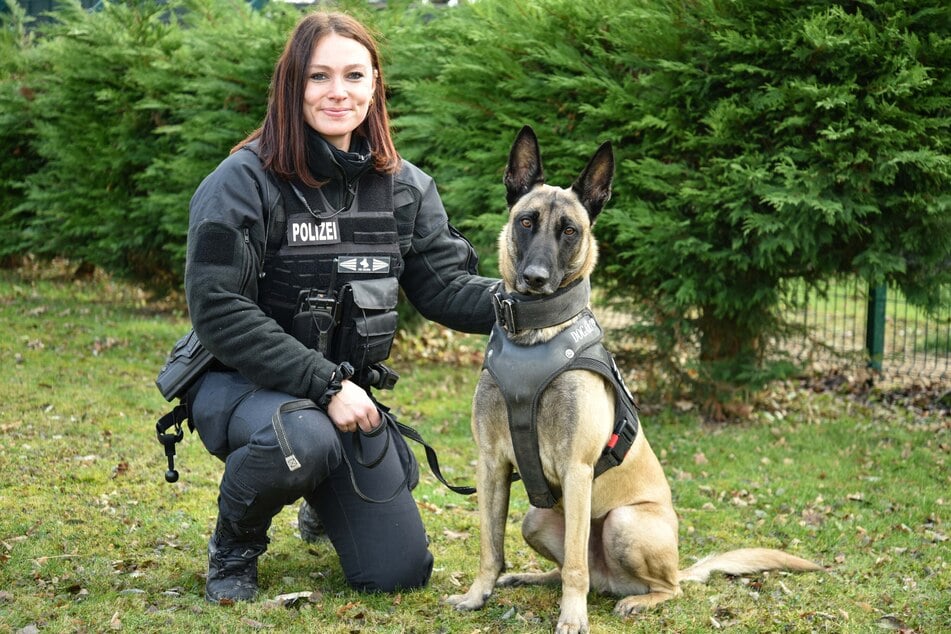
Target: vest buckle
(620,442)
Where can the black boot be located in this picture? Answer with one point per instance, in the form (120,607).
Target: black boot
(233,562)
(309,524)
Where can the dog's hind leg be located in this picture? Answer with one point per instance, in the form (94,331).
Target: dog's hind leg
(544,531)
(640,556)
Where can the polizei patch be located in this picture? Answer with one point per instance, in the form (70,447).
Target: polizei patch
(305,230)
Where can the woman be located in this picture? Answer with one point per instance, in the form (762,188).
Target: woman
(297,244)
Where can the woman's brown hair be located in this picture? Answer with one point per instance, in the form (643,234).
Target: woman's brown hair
(282,136)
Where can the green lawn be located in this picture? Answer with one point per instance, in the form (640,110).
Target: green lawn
(92,539)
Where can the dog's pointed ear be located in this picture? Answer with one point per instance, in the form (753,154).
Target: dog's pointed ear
(593,186)
(524,169)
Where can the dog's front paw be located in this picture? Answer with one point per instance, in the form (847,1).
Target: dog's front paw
(572,626)
(469,601)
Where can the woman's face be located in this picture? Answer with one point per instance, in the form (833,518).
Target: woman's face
(340,82)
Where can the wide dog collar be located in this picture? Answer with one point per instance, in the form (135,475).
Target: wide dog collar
(516,312)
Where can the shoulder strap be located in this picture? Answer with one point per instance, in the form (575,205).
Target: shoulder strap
(276,221)
(626,424)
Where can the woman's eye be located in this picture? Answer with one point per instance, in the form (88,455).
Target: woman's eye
(318,76)
(355,76)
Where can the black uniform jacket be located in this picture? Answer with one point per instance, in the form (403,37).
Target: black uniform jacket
(226,246)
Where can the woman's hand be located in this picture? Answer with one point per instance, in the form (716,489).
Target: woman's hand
(352,408)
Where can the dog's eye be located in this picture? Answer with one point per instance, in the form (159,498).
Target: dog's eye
(526,222)
(570,231)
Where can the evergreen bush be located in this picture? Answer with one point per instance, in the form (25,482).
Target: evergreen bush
(211,92)
(17,156)
(760,142)
(94,134)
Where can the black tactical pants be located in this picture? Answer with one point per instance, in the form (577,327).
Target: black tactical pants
(273,461)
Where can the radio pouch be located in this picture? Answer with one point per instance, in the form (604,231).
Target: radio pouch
(185,363)
(315,321)
(368,321)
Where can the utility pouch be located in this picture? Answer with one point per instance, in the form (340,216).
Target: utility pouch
(368,321)
(315,321)
(187,361)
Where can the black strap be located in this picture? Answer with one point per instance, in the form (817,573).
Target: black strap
(431,458)
(528,453)
(387,422)
(625,431)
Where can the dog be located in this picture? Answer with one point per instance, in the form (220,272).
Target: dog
(615,533)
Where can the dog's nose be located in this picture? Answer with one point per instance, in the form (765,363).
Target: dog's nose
(535,276)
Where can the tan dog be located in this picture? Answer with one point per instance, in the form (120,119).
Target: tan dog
(616,533)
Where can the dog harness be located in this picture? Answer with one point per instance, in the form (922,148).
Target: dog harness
(523,372)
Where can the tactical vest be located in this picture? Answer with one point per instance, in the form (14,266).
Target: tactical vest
(523,372)
(349,256)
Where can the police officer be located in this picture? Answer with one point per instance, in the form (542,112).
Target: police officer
(297,244)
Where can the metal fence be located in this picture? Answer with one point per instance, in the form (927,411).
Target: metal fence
(852,327)
(855,330)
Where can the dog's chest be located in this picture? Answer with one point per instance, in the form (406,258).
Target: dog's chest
(535,386)
(522,372)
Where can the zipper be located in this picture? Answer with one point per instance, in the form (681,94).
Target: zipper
(249,267)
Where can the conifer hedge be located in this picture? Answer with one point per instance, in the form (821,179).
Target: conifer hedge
(760,143)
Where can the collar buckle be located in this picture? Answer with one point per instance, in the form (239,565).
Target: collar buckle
(504,312)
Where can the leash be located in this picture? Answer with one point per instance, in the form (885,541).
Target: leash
(431,458)
(390,422)
(180,414)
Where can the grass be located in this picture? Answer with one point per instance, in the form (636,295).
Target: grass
(92,539)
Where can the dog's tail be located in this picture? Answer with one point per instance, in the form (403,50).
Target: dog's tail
(746,561)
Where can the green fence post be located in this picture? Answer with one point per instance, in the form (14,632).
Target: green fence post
(875,327)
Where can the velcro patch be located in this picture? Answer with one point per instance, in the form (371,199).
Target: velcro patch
(214,244)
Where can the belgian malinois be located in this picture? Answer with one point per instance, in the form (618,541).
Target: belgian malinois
(615,533)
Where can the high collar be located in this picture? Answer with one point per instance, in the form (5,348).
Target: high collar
(339,170)
(516,312)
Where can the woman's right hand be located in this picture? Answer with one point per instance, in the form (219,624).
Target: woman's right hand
(352,408)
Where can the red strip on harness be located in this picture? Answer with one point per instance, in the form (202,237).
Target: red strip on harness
(612,441)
